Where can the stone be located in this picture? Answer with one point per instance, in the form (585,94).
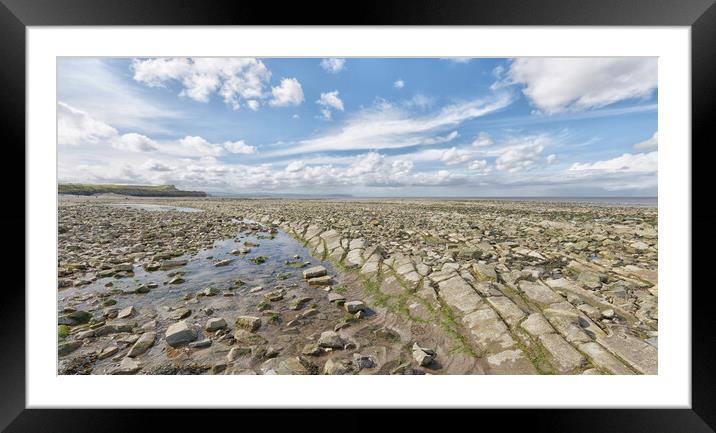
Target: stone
(312,349)
(640,355)
(200,344)
(176,280)
(295,365)
(180,333)
(127,366)
(325,280)
(333,297)
(107,352)
(536,325)
(565,357)
(256,289)
(211,291)
(250,323)
(215,323)
(224,262)
(330,339)
(68,347)
(143,344)
(180,313)
(354,306)
(337,367)
(126,312)
(539,293)
(423,356)
(363,361)
(316,271)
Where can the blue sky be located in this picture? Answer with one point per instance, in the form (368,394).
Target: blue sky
(363,126)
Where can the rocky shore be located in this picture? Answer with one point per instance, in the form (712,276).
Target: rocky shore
(269,286)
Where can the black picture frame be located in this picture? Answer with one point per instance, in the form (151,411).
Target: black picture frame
(699,15)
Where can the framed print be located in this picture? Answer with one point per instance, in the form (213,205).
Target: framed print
(419,206)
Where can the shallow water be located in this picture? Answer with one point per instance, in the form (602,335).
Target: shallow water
(199,273)
(155,207)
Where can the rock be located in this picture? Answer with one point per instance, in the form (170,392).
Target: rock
(222,262)
(80,316)
(68,347)
(126,312)
(330,339)
(256,289)
(200,344)
(299,303)
(363,361)
(107,352)
(211,291)
(590,280)
(143,344)
(424,356)
(608,314)
(180,333)
(321,281)
(216,323)
(312,349)
(176,280)
(354,306)
(127,366)
(316,271)
(296,365)
(333,297)
(180,313)
(249,323)
(335,367)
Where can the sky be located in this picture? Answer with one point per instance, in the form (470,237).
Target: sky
(376,127)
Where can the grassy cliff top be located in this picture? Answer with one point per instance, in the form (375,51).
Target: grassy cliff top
(133,190)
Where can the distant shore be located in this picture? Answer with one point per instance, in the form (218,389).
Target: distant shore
(130,190)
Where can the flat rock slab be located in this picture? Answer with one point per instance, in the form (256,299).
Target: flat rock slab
(250,323)
(564,357)
(458,294)
(641,355)
(180,333)
(316,271)
(539,293)
(603,359)
(143,344)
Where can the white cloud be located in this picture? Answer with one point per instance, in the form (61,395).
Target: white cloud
(191,146)
(295,166)
(627,163)
(288,93)
(419,101)
(239,147)
(333,66)
(326,114)
(555,85)
(521,154)
(237,80)
(455,156)
(295,116)
(483,139)
(253,104)
(87,84)
(551,159)
(331,100)
(441,139)
(134,142)
(386,127)
(399,84)
(478,164)
(648,144)
(76,127)
(153,165)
